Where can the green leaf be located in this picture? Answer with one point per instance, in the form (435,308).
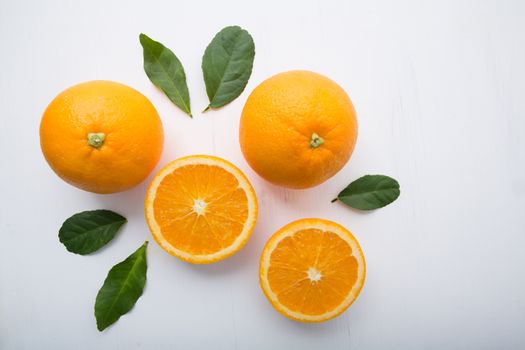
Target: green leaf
(370,192)
(227,65)
(88,231)
(121,289)
(165,71)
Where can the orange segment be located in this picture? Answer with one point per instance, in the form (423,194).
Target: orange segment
(312,270)
(201,208)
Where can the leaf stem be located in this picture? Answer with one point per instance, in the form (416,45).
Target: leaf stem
(333,200)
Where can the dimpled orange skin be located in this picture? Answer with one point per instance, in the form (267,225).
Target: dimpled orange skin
(281,120)
(132,128)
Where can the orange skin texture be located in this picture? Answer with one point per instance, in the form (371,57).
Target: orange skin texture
(133,131)
(278,121)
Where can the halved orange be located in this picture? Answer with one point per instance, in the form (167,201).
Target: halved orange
(201,209)
(312,270)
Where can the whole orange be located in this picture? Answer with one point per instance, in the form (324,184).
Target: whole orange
(298,129)
(101,136)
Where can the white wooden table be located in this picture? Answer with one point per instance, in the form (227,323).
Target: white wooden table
(438,87)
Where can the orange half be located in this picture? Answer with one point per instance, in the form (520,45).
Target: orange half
(312,270)
(201,209)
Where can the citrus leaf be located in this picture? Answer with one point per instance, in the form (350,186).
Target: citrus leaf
(165,71)
(88,231)
(227,65)
(121,289)
(370,192)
